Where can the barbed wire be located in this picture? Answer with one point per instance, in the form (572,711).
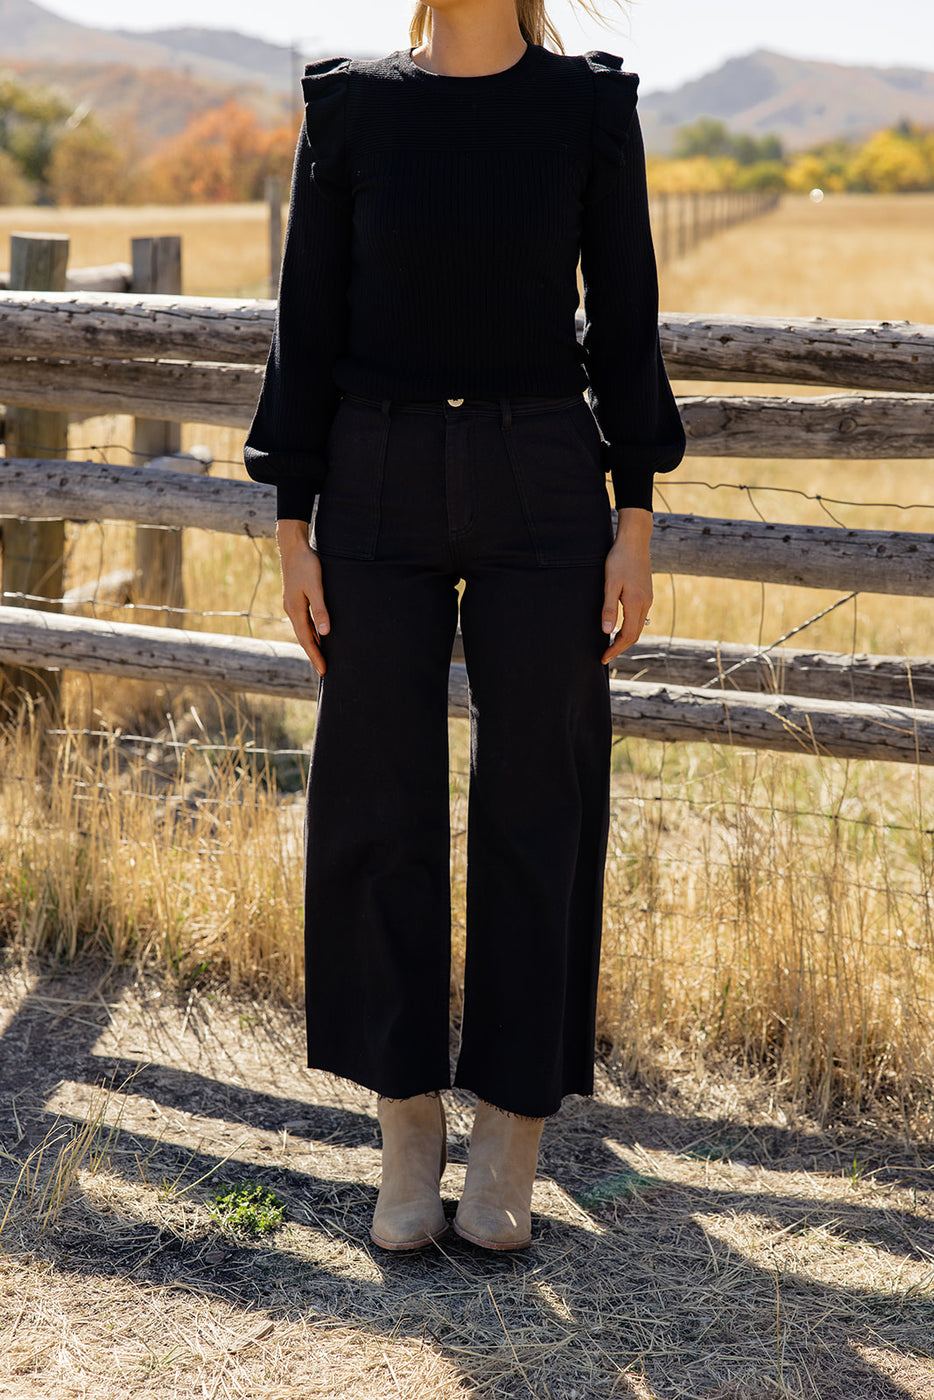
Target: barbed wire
(197,745)
(818,497)
(797,491)
(65,453)
(244,613)
(177,805)
(616,800)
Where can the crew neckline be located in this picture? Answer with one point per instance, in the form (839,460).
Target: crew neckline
(407,64)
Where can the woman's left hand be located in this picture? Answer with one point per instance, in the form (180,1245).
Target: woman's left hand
(628,580)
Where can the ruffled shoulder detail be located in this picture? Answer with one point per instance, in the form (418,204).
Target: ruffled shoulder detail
(324,87)
(615,93)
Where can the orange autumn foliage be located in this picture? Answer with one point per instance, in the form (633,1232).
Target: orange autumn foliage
(223,155)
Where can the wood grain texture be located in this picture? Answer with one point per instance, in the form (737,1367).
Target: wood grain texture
(825,675)
(136,326)
(224,395)
(800,350)
(814,556)
(836,426)
(34,639)
(885,355)
(811,556)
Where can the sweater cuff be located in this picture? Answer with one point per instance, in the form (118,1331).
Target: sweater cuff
(629,490)
(295,498)
(632,480)
(297,477)
(633,467)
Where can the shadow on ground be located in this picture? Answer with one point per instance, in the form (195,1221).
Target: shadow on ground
(675,1254)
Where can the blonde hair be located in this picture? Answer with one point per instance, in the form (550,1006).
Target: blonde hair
(533,19)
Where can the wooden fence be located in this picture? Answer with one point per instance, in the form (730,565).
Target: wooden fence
(201,360)
(682,220)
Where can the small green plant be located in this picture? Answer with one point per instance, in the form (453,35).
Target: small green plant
(626,1185)
(856,1172)
(249,1207)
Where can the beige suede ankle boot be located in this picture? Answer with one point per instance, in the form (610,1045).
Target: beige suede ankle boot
(495,1210)
(409,1213)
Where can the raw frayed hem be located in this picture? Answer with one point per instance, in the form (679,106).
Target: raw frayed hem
(436,1094)
(345,1082)
(338,1080)
(507,1113)
(426,1094)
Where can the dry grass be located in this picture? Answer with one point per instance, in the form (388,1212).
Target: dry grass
(854,256)
(755,904)
(184,858)
(224,246)
(693,1242)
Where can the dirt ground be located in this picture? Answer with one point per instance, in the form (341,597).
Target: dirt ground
(700,1240)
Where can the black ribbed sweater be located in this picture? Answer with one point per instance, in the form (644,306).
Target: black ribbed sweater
(435,225)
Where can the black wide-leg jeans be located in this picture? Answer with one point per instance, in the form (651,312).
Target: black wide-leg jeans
(509,496)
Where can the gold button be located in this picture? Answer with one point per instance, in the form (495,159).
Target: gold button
(455,403)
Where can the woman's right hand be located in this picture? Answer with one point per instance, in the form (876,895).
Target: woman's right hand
(302,589)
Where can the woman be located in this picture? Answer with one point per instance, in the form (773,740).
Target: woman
(423,404)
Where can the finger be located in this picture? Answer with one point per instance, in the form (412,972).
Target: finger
(610,618)
(629,632)
(305,633)
(318,609)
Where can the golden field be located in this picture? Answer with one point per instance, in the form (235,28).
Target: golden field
(775,908)
(224,246)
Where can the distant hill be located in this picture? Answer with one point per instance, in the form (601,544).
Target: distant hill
(152,104)
(31,34)
(152,84)
(801,100)
(274,64)
(188,69)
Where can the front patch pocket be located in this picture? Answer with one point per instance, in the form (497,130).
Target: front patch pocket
(347,520)
(556,461)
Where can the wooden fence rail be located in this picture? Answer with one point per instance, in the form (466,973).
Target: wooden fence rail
(825,675)
(876,355)
(640,710)
(136,327)
(836,426)
(811,556)
(883,355)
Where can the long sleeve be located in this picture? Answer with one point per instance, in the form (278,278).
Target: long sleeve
(630,394)
(286,444)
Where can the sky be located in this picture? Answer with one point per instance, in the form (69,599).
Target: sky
(667,42)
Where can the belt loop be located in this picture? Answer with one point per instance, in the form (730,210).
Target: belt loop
(506,408)
(384,407)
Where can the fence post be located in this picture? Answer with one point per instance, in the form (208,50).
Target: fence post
(34,550)
(665,231)
(274,191)
(157,267)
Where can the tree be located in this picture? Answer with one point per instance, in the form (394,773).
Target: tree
(31,119)
(709,137)
(222,155)
(807,172)
(765,176)
(889,163)
(705,137)
(87,168)
(14,187)
(697,174)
